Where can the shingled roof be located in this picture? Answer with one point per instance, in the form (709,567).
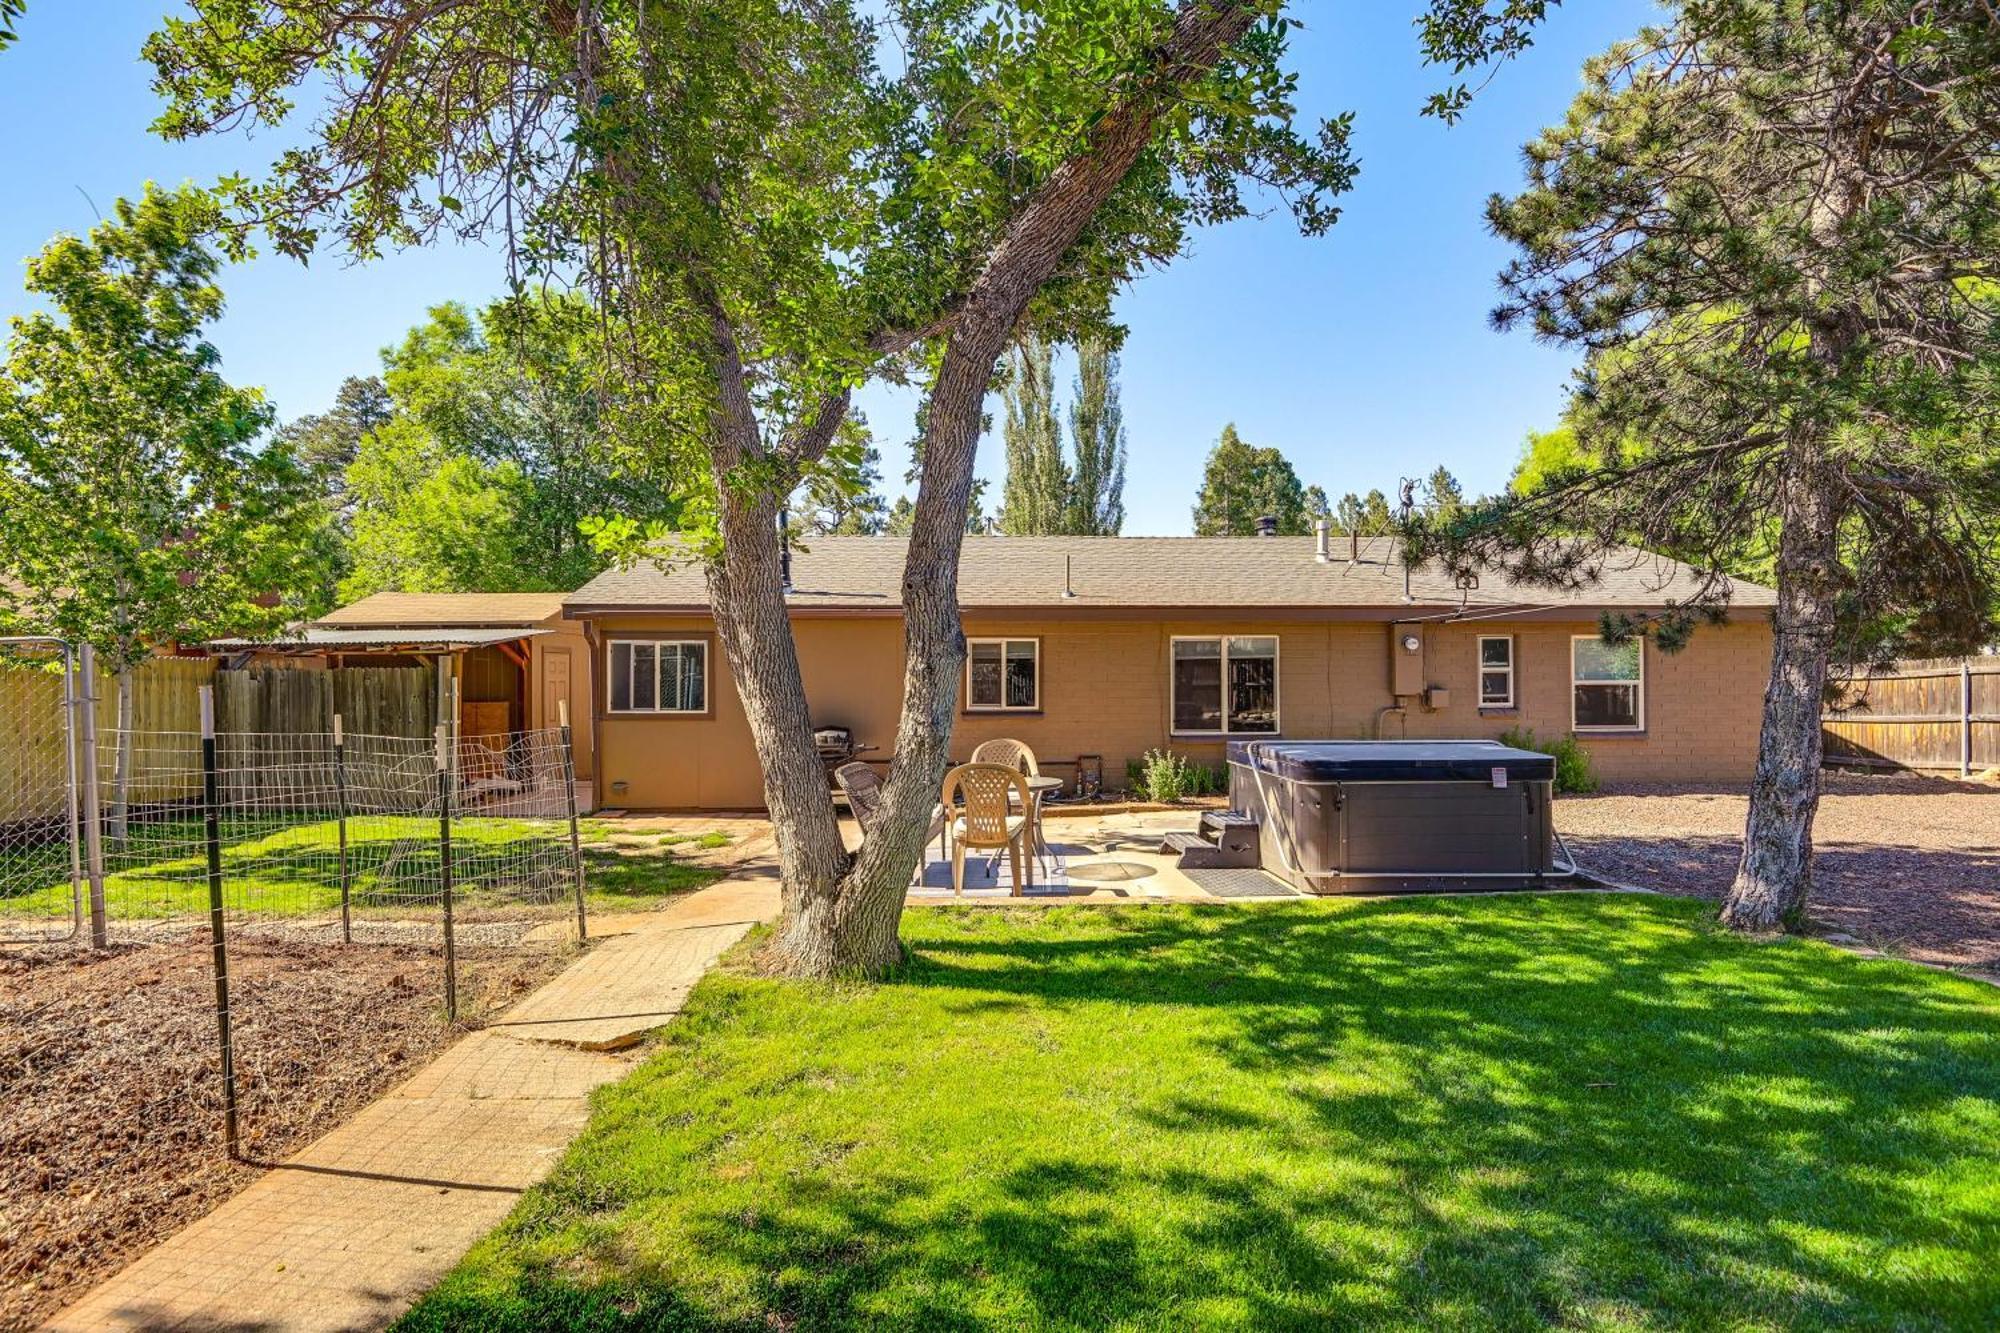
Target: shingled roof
(1166,573)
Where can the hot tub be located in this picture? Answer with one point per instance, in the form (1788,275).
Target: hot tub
(1398,816)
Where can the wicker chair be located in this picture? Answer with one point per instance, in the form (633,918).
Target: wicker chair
(988,819)
(863,788)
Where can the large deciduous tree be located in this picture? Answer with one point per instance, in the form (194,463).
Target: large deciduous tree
(490,456)
(1774,225)
(775,201)
(136,508)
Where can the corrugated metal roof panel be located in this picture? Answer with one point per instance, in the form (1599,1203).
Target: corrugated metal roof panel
(362,639)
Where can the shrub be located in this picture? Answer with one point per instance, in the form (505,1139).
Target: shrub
(1572,760)
(1165,776)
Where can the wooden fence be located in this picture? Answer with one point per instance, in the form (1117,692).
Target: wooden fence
(371,701)
(166,702)
(1922,715)
(166,722)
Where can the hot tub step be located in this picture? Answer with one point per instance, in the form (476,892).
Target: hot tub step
(1236,850)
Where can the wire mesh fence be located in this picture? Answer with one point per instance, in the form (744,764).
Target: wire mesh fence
(444,875)
(278,926)
(41,862)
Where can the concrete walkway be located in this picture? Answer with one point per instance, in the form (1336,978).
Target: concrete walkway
(348,1232)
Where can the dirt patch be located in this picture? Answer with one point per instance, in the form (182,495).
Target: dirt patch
(1909,864)
(110,1090)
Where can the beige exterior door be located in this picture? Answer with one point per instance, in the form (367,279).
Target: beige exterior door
(555,687)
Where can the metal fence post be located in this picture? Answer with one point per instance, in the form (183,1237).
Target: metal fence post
(74,811)
(219,946)
(340,814)
(444,775)
(569,796)
(1965,718)
(93,811)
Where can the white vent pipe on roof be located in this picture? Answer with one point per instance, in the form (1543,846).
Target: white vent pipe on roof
(1323,541)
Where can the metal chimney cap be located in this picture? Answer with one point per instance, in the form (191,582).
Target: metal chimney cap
(1267,525)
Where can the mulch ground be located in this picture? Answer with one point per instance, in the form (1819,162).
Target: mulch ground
(1908,864)
(110,1091)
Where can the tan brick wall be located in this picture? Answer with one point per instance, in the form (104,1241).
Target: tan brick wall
(1104,689)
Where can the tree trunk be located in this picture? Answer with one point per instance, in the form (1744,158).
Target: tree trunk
(121,770)
(850,926)
(1774,879)
(747,592)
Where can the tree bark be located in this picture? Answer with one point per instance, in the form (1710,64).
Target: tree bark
(1774,878)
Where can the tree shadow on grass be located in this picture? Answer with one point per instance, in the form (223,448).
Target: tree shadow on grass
(1502,1112)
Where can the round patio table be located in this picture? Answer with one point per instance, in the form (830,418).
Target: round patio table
(1039,787)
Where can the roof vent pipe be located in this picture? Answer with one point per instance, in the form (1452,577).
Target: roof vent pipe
(785,546)
(1069,589)
(1322,540)
(1353,545)
(1267,525)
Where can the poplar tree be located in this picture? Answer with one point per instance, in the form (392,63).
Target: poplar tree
(1097,435)
(1035,499)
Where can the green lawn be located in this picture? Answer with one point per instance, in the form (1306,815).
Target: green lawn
(1493,1112)
(287,867)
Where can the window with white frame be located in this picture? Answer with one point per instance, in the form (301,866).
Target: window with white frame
(1496,671)
(1225,685)
(1003,675)
(1607,684)
(657,675)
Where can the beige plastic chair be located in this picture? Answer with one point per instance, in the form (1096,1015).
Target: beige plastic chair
(1016,754)
(988,819)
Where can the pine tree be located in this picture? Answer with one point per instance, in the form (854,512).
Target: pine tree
(1773,228)
(1242,483)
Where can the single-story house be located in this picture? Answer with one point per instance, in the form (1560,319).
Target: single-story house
(515,657)
(1094,650)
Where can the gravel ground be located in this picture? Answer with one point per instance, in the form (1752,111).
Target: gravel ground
(1908,864)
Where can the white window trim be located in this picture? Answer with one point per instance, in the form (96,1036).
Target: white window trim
(611,647)
(1277,682)
(1639,711)
(1479,680)
(1003,706)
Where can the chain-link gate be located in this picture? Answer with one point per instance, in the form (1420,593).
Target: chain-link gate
(41,850)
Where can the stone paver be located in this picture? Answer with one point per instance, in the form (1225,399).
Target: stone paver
(347,1232)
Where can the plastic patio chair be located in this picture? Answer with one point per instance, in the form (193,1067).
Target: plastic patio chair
(1016,754)
(988,820)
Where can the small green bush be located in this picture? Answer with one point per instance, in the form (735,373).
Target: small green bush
(1165,776)
(1573,774)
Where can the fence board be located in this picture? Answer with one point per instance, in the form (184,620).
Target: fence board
(165,699)
(1919,715)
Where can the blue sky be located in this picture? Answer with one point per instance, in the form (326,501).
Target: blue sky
(1364,354)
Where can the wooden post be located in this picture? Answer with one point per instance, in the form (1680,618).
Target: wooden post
(444,767)
(569,797)
(218,943)
(340,814)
